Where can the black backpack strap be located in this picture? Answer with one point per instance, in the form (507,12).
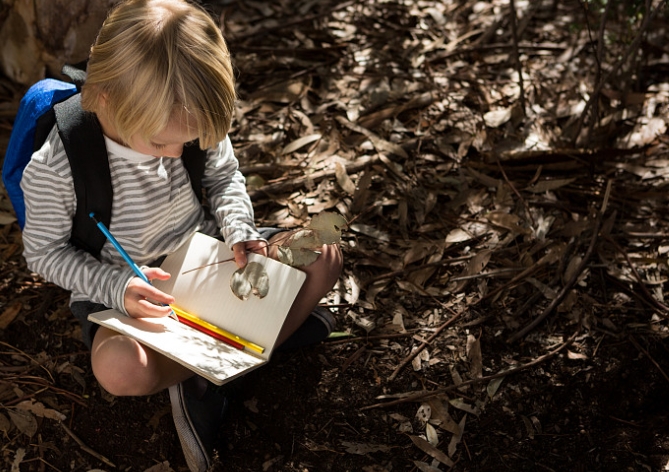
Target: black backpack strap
(85,147)
(194,160)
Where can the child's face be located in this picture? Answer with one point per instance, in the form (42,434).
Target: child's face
(169,142)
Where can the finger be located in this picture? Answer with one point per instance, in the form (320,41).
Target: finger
(151,310)
(156,273)
(239,251)
(143,290)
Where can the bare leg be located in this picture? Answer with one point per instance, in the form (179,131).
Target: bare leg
(125,367)
(322,275)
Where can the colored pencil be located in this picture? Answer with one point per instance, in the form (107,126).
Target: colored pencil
(226,334)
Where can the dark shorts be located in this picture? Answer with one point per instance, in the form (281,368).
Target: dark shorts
(81,310)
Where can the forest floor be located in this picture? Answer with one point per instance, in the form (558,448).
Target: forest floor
(502,303)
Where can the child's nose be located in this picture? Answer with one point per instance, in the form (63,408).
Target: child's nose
(173,150)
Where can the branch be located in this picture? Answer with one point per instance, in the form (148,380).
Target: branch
(423,345)
(567,287)
(423,395)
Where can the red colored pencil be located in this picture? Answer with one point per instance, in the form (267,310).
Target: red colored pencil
(211,333)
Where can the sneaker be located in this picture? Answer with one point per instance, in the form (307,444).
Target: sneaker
(198,412)
(316,328)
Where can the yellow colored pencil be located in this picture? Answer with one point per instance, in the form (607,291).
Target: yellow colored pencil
(216,329)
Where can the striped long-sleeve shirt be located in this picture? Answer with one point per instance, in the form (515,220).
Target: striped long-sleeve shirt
(154,210)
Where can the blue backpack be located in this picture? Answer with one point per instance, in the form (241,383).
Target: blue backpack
(52,102)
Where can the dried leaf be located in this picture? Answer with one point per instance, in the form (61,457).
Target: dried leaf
(18,458)
(461,405)
(496,118)
(432,451)
(5,424)
(547,185)
(368,230)
(362,449)
(328,226)
(475,357)
(300,142)
(455,440)
(297,257)
(431,433)
(648,132)
(457,236)
(24,421)
(475,266)
(10,313)
(424,413)
(6,218)
(40,410)
(343,179)
(493,386)
(507,221)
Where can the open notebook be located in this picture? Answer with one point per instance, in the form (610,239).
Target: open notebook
(206,293)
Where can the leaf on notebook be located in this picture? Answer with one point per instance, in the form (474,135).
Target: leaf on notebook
(252,279)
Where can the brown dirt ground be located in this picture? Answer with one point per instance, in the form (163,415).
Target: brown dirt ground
(588,392)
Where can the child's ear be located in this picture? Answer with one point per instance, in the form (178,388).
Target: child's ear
(102,101)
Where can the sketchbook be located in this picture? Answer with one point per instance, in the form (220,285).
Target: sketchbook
(200,284)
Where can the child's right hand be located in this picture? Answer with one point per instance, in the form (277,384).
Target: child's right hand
(146,301)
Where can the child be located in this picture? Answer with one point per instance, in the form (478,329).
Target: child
(159,78)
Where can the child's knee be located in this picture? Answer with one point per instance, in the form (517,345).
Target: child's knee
(328,266)
(120,367)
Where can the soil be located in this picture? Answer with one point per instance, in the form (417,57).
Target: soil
(483,324)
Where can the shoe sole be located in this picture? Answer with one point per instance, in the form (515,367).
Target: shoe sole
(193,449)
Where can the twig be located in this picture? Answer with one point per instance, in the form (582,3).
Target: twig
(408,270)
(30,358)
(642,350)
(632,48)
(87,449)
(566,288)
(297,182)
(516,55)
(663,309)
(423,395)
(289,24)
(513,187)
(528,271)
(423,345)
(365,339)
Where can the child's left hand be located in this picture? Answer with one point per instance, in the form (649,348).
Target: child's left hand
(240,250)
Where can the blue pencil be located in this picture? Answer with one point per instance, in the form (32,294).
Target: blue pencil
(135,268)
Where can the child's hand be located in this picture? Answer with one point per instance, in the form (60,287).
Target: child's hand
(240,250)
(143,300)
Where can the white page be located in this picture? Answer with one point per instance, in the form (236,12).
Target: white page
(201,353)
(206,292)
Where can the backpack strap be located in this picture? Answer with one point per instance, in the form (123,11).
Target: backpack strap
(85,147)
(194,160)
(86,151)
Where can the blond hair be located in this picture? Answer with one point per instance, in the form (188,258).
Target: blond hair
(155,58)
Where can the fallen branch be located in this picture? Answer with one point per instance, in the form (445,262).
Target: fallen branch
(424,395)
(631,49)
(423,345)
(661,307)
(647,354)
(566,288)
(298,182)
(87,449)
